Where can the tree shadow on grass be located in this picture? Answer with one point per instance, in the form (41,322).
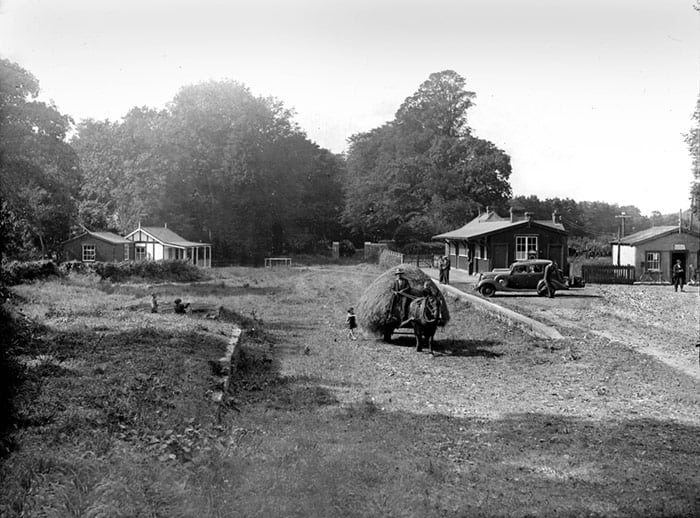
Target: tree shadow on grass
(450,346)
(456,347)
(306,450)
(547,463)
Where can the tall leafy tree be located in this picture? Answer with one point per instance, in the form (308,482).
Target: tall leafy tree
(124,170)
(39,169)
(423,172)
(693,141)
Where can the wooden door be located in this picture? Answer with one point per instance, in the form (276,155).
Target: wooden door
(500,255)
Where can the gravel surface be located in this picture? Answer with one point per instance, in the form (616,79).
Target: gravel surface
(651,319)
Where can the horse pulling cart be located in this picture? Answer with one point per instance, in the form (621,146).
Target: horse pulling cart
(381,311)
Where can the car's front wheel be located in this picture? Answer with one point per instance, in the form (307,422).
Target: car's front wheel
(487,290)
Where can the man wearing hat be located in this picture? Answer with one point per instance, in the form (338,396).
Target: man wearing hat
(399,299)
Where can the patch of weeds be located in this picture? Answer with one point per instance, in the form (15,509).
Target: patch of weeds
(361,409)
(251,323)
(289,394)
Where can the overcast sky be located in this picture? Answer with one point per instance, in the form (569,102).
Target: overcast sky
(590,98)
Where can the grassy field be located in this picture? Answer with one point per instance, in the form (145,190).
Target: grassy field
(116,416)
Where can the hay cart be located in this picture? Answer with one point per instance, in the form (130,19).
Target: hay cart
(378,310)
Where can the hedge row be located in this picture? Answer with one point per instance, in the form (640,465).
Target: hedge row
(18,272)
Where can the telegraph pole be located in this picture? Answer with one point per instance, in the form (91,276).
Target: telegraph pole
(620,232)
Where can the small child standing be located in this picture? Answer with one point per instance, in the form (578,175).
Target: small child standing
(154,303)
(351,322)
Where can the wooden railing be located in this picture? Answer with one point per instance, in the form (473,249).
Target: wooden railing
(421,261)
(607,274)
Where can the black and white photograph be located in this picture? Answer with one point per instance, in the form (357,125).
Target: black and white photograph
(333,258)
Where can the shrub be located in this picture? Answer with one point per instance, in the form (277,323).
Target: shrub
(13,334)
(347,249)
(167,270)
(18,272)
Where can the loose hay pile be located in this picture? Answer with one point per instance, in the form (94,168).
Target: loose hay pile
(374,308)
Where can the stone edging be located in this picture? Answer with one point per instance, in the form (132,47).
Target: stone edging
(527,324)
(227,364)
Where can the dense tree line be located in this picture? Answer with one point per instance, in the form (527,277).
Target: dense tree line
(591,225)
(221,165)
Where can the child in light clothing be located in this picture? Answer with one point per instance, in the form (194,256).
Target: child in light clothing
(351,322)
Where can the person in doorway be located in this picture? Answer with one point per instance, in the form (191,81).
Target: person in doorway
(678,275)
(351,323)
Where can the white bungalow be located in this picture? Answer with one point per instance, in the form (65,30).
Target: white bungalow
(156,243)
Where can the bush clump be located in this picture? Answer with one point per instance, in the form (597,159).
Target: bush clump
(347,248)
(167,270)
(18,272)
(13,334)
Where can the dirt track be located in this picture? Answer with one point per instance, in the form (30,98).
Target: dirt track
(652,319)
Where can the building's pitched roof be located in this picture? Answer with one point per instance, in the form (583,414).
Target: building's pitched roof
(109,237)
(491,223)
(652,233)
(168,237)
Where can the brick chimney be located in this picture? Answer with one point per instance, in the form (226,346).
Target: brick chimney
(512,214)
(555,216)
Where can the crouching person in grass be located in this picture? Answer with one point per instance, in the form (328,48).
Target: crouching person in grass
(180,308)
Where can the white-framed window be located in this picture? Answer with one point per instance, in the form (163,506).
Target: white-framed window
(140,252)
(653,261)
(524,247)
(89,253)
(126,251)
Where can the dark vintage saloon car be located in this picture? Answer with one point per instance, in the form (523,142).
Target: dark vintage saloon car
(522,276)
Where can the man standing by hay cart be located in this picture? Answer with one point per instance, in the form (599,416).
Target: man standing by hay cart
(399,299)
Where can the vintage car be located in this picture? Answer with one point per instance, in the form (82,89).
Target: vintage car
(522,276)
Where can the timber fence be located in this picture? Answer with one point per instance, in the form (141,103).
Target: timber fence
(373,251)
(607,274)
(421,261)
